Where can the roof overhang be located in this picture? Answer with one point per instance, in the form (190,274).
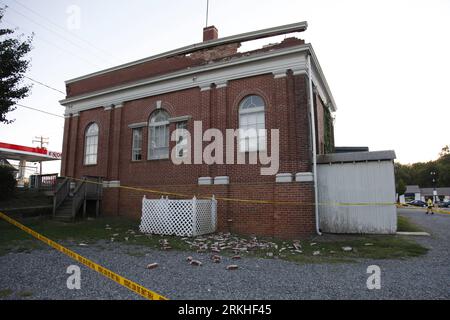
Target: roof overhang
(259,63)
(30,154)
(387,155)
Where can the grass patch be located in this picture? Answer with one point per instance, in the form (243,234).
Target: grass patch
(25,294)
(121,230)
(404,224)
(26,198)
(126,231)
(5,293)
(330,249)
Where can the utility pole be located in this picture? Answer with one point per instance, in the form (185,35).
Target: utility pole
(433,176)
(41,140)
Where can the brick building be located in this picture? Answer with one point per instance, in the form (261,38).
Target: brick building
(118,123)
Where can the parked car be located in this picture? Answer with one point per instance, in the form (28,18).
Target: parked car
(443,204)
(418,203)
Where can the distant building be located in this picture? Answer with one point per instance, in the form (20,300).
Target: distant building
(414,192)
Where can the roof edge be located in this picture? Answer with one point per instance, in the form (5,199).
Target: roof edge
(243,37)
(356,157)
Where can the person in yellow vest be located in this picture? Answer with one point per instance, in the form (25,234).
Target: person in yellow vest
(430,206)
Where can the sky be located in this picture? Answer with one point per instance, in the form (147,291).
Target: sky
(386,62)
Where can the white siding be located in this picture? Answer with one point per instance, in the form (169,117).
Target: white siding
(360,182)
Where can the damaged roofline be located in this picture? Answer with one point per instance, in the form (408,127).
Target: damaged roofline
(243,37)
(302,48)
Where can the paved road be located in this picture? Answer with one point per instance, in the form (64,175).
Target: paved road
(42,274)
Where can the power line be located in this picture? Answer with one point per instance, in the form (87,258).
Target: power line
(45,85)
(53,31)
(54,45)
(63,29)
(39,110)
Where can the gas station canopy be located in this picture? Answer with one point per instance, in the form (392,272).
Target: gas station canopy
(28,154)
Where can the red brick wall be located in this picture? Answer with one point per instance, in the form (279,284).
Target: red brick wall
(286,109)
(272,220)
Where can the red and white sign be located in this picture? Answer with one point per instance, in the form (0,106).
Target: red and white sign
(31,154)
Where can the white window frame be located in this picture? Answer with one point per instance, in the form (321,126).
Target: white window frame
(91,145)
(155,128)
(136,145)
(255,130)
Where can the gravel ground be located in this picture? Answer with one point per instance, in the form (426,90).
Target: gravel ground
(42,273)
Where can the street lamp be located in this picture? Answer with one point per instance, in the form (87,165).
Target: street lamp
(433,176)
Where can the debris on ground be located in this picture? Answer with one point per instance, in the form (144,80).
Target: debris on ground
(165,244)
(347,249)
(196,263)
(232,267)
(152,265)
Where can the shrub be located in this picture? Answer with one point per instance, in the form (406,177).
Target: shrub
(7,182)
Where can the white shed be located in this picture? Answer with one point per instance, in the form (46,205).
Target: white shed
(364,178)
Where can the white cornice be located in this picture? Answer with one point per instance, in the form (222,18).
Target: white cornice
(137,125)
(180,118)
(193,71)
(274,62)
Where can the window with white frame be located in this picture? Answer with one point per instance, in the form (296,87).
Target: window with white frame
(158,130)
(252,133)
(91,144)
(182,140)
(136,149)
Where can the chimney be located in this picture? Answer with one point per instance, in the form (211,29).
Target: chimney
(210,33)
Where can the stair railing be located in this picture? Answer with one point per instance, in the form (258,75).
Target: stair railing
(61,193)
(79,197)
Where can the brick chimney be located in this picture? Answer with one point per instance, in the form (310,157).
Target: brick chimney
(210,33)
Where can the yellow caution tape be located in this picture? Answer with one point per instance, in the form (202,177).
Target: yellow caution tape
(133,286)
(292,203)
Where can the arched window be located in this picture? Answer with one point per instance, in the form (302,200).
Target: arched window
(91,144)
(158,131)
(252,133)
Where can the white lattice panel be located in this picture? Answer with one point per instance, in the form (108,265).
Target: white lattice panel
(178,217)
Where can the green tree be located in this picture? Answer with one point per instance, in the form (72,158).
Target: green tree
(444,151)
(400,187)
(419,173)
(12,69)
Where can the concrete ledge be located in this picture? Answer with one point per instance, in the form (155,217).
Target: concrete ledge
(179,119)
(304,177)
(283,177)
(412,233)
(137,125)
(204,180)
(222,180)
(111,184)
